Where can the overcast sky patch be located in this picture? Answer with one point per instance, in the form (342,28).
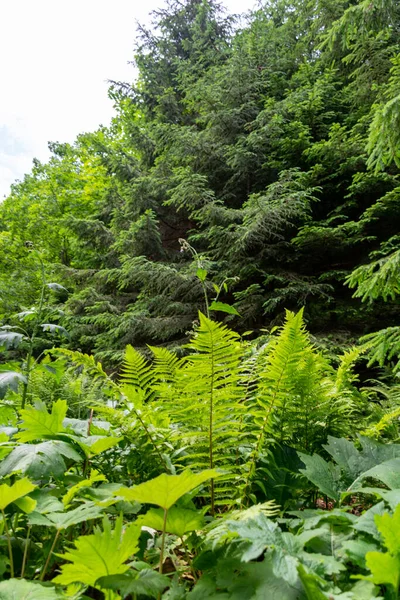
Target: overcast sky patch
(56,60)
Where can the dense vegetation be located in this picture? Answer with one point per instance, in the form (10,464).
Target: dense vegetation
(199,312)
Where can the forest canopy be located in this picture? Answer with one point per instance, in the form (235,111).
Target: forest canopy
(269,144)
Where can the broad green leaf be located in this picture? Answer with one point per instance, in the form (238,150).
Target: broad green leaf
(366,522)
(63,520)
(357,549)
(96,444)
(389,527)
(39,460)
(312,584)
(26,315)
(105,552)
(73,491)
(55,329)
(385,568)
(146,583)
(284,565)
(165,489)
(46,502)
(245,581)
(364,590)
(9,494)
(10,380)
(179,520)
(260,532)
(10,339)
(20,589)
(222,307)
(27,505)
(346,456)
(325,476)
(38,423)
(388,472)
(80,426)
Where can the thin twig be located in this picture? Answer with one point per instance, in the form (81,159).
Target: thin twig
(49,556)
(9,544)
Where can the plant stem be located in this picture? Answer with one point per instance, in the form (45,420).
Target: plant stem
(90,421)
(49,556)
(163,542)
(9,544)
(25,552)
(139,417)
(86,463)
(211,432)
(27,372)
(33,336)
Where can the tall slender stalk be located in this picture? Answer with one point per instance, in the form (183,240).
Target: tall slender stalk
(29,356)
(8,536)
(160,569)
(49,555)
(211,440)
(24,559)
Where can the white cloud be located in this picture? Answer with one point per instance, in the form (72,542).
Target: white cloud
(57,56)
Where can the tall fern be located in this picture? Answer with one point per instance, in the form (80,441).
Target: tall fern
(226,404)
(203,403)
(276,375)
(298,400)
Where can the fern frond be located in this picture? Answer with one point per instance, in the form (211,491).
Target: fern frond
(165,364)
(203,402)
(136,372)
(298,400)
(377,429)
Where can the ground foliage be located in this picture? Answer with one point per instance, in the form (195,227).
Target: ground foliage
(239,470)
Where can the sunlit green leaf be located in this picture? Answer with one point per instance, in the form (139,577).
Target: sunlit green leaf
(62,520)
(95,476)
(37,423)
(9,494)
(201,274)
(222,307)
(165,489)
(179,520)
(96,444)
(105,552)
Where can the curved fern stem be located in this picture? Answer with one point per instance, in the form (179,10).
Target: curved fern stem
(211,450)
(152,442)
(256,453)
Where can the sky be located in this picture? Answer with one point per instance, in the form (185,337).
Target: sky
(56,58)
